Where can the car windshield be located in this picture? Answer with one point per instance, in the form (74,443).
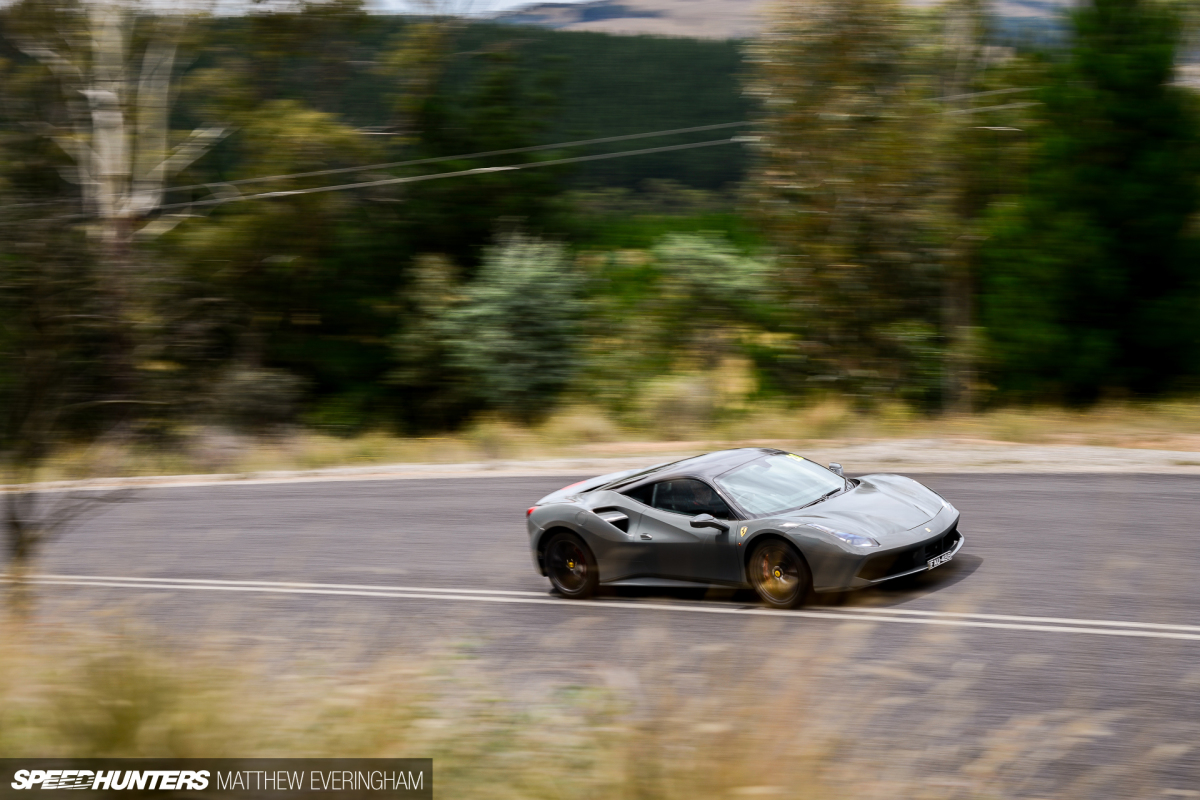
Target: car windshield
(774,484)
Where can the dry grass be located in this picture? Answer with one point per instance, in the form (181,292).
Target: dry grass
(681,415)
(817,720)
(1173,425)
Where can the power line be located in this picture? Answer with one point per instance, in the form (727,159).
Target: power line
(989,108)
(948,98)
(509,151)
(455,174)
(438,159)
(554,162)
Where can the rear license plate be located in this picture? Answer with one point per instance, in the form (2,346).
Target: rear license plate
(942,559)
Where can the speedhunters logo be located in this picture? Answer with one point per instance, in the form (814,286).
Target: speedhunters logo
(226,778)
(167,779)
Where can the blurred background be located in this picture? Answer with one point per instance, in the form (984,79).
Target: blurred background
(319,218)
(296,234)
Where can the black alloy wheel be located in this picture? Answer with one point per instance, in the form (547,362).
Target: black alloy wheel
(779,575)
(571,567)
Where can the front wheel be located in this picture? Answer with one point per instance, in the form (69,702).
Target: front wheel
(571,567)
(779,575)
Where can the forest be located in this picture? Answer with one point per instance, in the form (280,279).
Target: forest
(309,215)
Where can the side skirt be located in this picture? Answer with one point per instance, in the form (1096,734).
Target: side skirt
(670,583)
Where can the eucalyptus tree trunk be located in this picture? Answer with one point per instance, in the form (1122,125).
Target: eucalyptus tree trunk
(114,127)
(119,132)
(118,140)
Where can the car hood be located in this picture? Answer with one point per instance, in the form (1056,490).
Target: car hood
(881,506)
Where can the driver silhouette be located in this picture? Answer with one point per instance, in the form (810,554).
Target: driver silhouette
(703,500)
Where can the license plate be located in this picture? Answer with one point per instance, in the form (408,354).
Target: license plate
(942,559)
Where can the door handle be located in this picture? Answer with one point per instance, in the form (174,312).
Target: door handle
(647,537)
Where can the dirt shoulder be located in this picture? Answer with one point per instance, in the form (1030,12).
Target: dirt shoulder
(858,457)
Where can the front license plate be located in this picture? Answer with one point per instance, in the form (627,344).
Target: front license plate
(942,559)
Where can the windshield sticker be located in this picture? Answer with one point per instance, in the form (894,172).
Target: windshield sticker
(793,455)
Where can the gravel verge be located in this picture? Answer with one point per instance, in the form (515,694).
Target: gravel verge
(892,455)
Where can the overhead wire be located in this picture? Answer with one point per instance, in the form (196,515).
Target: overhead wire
(455,174)
(216,201)
(485,154)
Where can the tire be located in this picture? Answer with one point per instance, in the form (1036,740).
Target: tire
(779,574)
(571,567)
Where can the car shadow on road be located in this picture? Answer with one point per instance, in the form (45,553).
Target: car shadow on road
(904,590)
(892,593)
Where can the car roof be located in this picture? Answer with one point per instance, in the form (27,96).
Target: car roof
(706,466)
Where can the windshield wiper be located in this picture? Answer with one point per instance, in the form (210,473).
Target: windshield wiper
(825,496)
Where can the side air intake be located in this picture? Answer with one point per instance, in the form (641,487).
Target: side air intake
(615,517)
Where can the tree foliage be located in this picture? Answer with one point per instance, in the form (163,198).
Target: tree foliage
(850,188)
(1091,274)
(515,335)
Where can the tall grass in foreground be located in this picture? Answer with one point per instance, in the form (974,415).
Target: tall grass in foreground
(817,720)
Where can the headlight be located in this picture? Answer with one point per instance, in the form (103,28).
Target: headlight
(945,502)
(848,538)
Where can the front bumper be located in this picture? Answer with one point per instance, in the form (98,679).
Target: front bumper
(911,560)
(848,568)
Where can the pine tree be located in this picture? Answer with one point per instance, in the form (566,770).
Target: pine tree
(1089,280)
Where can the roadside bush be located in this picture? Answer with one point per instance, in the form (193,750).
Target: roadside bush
(256,398)
(516,333)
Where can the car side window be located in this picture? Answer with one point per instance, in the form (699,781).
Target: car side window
(689,497)
(643,494)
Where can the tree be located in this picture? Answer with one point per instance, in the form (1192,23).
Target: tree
(882,142)
(112,122)
(516,333)
(681,308)
(1090,278)
(849,193)
(304,281)
(702,296)
(504,105)
(116,138)
(52,382)
(435,392)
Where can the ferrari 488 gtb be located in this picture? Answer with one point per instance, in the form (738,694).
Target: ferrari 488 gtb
(757,517)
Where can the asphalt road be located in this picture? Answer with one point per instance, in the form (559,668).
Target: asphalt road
(1030,611)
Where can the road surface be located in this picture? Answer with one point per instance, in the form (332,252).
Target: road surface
(1073,592)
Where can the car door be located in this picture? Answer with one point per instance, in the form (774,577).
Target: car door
(680,551)
(612,520)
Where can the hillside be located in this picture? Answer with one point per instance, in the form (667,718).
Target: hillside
(705,19)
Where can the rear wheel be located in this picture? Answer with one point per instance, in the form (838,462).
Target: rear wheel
(571,567)
(779,575)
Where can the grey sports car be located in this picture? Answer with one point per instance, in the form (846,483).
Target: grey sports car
(754,516)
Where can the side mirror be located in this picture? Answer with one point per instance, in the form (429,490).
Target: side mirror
(836,468)
(708,521)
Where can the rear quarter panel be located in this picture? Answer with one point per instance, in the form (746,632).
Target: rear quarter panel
(616,551)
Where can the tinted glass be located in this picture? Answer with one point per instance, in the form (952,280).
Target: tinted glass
(777,483)
(689,497)
(643,494)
